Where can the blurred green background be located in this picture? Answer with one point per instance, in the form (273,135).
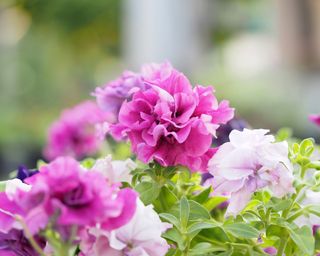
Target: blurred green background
(263,56)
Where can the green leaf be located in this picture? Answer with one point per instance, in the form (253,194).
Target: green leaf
(315,209)
(203,196)
(148,191)
(227,253)
(204,248)
(283,134)
(195,228)
(216,233)
(170,218)
(40,163)
(242,230)
(202,225)
(280,205)
(2,186)
(252,205)
(274,230)
(184,212)
(213,202)
(197,211)
(88,163)
(303,238)
(306,147)
(175,236)
(166,200)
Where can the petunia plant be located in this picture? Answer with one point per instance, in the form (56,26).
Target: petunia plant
(197,181)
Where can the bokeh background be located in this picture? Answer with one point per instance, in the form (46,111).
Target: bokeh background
(264,56)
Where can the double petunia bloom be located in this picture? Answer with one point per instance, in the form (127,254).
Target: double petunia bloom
(252,160)
(168,121)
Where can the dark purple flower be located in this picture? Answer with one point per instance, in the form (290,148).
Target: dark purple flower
(24,172)
(14,241)
(225,129)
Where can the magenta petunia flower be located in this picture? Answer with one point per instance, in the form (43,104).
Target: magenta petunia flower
(75,134)
(315,119)
(111,96)
(170,122)
(77,197)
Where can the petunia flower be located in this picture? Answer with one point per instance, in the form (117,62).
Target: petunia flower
(140,237)
(310,198)
(314,118)
(251,161)
(15,243)
(24,172)
(111,96)
(170,122)
(115,171)
(78,197)
(75,133)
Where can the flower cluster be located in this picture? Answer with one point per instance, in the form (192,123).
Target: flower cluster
(66,197)
(75,133)
(205,183)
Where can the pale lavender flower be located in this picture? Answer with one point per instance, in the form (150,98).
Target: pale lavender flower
(251,161)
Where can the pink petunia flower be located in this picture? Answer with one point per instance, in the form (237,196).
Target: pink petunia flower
(249,162)
(170,122)
(75,134)
(140,237)
(78,197)
(315,119)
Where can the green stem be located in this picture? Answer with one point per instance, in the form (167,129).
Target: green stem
(204,238)
(29,236)
(303,172)
(283,243)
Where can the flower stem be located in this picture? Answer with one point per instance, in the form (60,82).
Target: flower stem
(283,243)
(29,236)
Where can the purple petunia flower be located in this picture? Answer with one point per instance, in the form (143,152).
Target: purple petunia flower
(170,122)
(15,243)
(111,96)
(24,172)
(225,129)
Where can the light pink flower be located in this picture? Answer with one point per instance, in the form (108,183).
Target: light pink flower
(75,134)
(170,122)
(315,119)
(115,171)
(249,162)
(140,237)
